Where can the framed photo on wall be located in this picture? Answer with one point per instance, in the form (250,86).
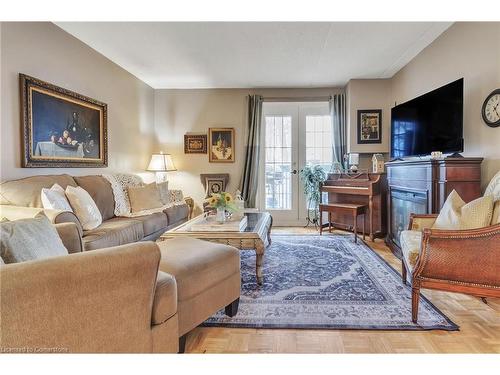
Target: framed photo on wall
(195,143)
(61,128)
(221,143)
(369,126)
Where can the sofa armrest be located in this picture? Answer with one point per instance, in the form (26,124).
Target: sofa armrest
(463,257)
(93,301)
(70,236)
(165,300)
(420,222)
(55,216)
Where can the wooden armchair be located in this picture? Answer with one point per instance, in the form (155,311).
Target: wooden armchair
(463,261)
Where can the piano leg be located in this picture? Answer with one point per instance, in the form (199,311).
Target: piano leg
(320,222)
(330,222)
(364,222)
(370,206)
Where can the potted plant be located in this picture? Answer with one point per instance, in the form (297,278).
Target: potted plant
(222,202)
(312,177)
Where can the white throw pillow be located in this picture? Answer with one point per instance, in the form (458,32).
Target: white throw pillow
(84,207)
(456,214)
(55,199)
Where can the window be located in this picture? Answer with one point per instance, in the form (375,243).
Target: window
(319,141)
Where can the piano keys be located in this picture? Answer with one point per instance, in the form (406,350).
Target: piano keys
(359,188)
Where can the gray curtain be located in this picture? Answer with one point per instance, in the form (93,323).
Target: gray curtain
(339,128)
(249,179)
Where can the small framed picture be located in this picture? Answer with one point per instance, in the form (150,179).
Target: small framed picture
(369,126)
(215,186)
(195,143)
(221,142)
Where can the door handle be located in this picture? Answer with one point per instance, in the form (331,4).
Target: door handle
(294,171)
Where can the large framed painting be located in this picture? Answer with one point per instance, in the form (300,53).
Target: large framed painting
(221,141)
(61,128)
(369,126)
(195,143)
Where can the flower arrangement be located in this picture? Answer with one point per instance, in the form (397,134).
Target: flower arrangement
(222,202)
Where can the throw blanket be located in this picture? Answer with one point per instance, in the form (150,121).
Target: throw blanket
(120,182)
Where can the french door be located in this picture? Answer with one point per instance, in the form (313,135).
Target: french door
(294,135)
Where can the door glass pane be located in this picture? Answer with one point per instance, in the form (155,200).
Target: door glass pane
(319,141)
(278,163)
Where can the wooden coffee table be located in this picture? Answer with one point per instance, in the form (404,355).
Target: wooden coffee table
(256,236)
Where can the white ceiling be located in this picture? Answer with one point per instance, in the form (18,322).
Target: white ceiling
(257,54)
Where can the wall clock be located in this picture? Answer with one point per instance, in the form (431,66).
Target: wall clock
(491,109)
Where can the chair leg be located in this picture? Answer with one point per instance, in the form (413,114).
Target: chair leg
(364,221)
(355,228)
(403,272)
(330,222)
(232,309)
(415,297)
(320,222)
(182,344)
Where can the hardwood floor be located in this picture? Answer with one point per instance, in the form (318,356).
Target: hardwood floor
(479,329)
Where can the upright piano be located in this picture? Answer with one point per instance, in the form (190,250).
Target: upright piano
(359,188)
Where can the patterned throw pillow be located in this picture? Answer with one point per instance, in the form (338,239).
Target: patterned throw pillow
(120,182)
(55,198)
(84,207)
(456,214)
(163,190)
(29,239)
(493,189)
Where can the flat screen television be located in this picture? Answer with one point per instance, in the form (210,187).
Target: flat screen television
(431,122)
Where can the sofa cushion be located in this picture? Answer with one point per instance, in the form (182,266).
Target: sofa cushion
(144,197)
(176,213)
(153,222)
(197,265)
(165,299)
(26,192)
(101,192)
(113,232)
(29,239)
(411,242)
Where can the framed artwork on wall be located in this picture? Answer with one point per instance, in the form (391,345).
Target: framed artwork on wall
(61,128)
(369,126)
(195,143)
(221,143)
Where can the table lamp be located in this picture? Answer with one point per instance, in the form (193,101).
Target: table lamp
(160,164)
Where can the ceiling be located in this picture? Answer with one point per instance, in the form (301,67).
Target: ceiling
(257,54)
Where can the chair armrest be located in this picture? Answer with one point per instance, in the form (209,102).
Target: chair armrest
(190,202)
(70,236)
(165,299)
(461,256)
(55,216)
(93,301)
(420,222)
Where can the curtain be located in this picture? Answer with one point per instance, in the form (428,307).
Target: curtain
(249,179)
(339,128)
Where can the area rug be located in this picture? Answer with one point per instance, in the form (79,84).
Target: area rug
(326,282)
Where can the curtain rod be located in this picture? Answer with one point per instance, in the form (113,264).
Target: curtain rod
(297,99)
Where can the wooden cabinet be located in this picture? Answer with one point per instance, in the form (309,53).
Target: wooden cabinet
(422,186)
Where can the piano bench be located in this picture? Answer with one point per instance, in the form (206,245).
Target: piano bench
(354,209)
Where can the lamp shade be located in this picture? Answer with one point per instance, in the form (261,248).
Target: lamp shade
(161,163)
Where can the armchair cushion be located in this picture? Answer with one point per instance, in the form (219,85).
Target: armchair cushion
(457,215)
(29,239)
(411,241)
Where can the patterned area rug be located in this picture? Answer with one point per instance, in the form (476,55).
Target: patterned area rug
(326,282)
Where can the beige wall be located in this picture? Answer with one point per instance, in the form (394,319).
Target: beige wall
(368,94)
(178,112)
(44,51)
(472,51)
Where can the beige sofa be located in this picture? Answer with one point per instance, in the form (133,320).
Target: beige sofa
(21,199)
(111,300)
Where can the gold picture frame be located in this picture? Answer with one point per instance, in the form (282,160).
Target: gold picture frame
(221,145)
(61,128)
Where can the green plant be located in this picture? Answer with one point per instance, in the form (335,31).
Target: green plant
(223,200)
(312,177)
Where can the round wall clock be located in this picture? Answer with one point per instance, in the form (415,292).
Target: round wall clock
(491,109)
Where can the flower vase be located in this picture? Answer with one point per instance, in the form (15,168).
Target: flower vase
(221,215)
